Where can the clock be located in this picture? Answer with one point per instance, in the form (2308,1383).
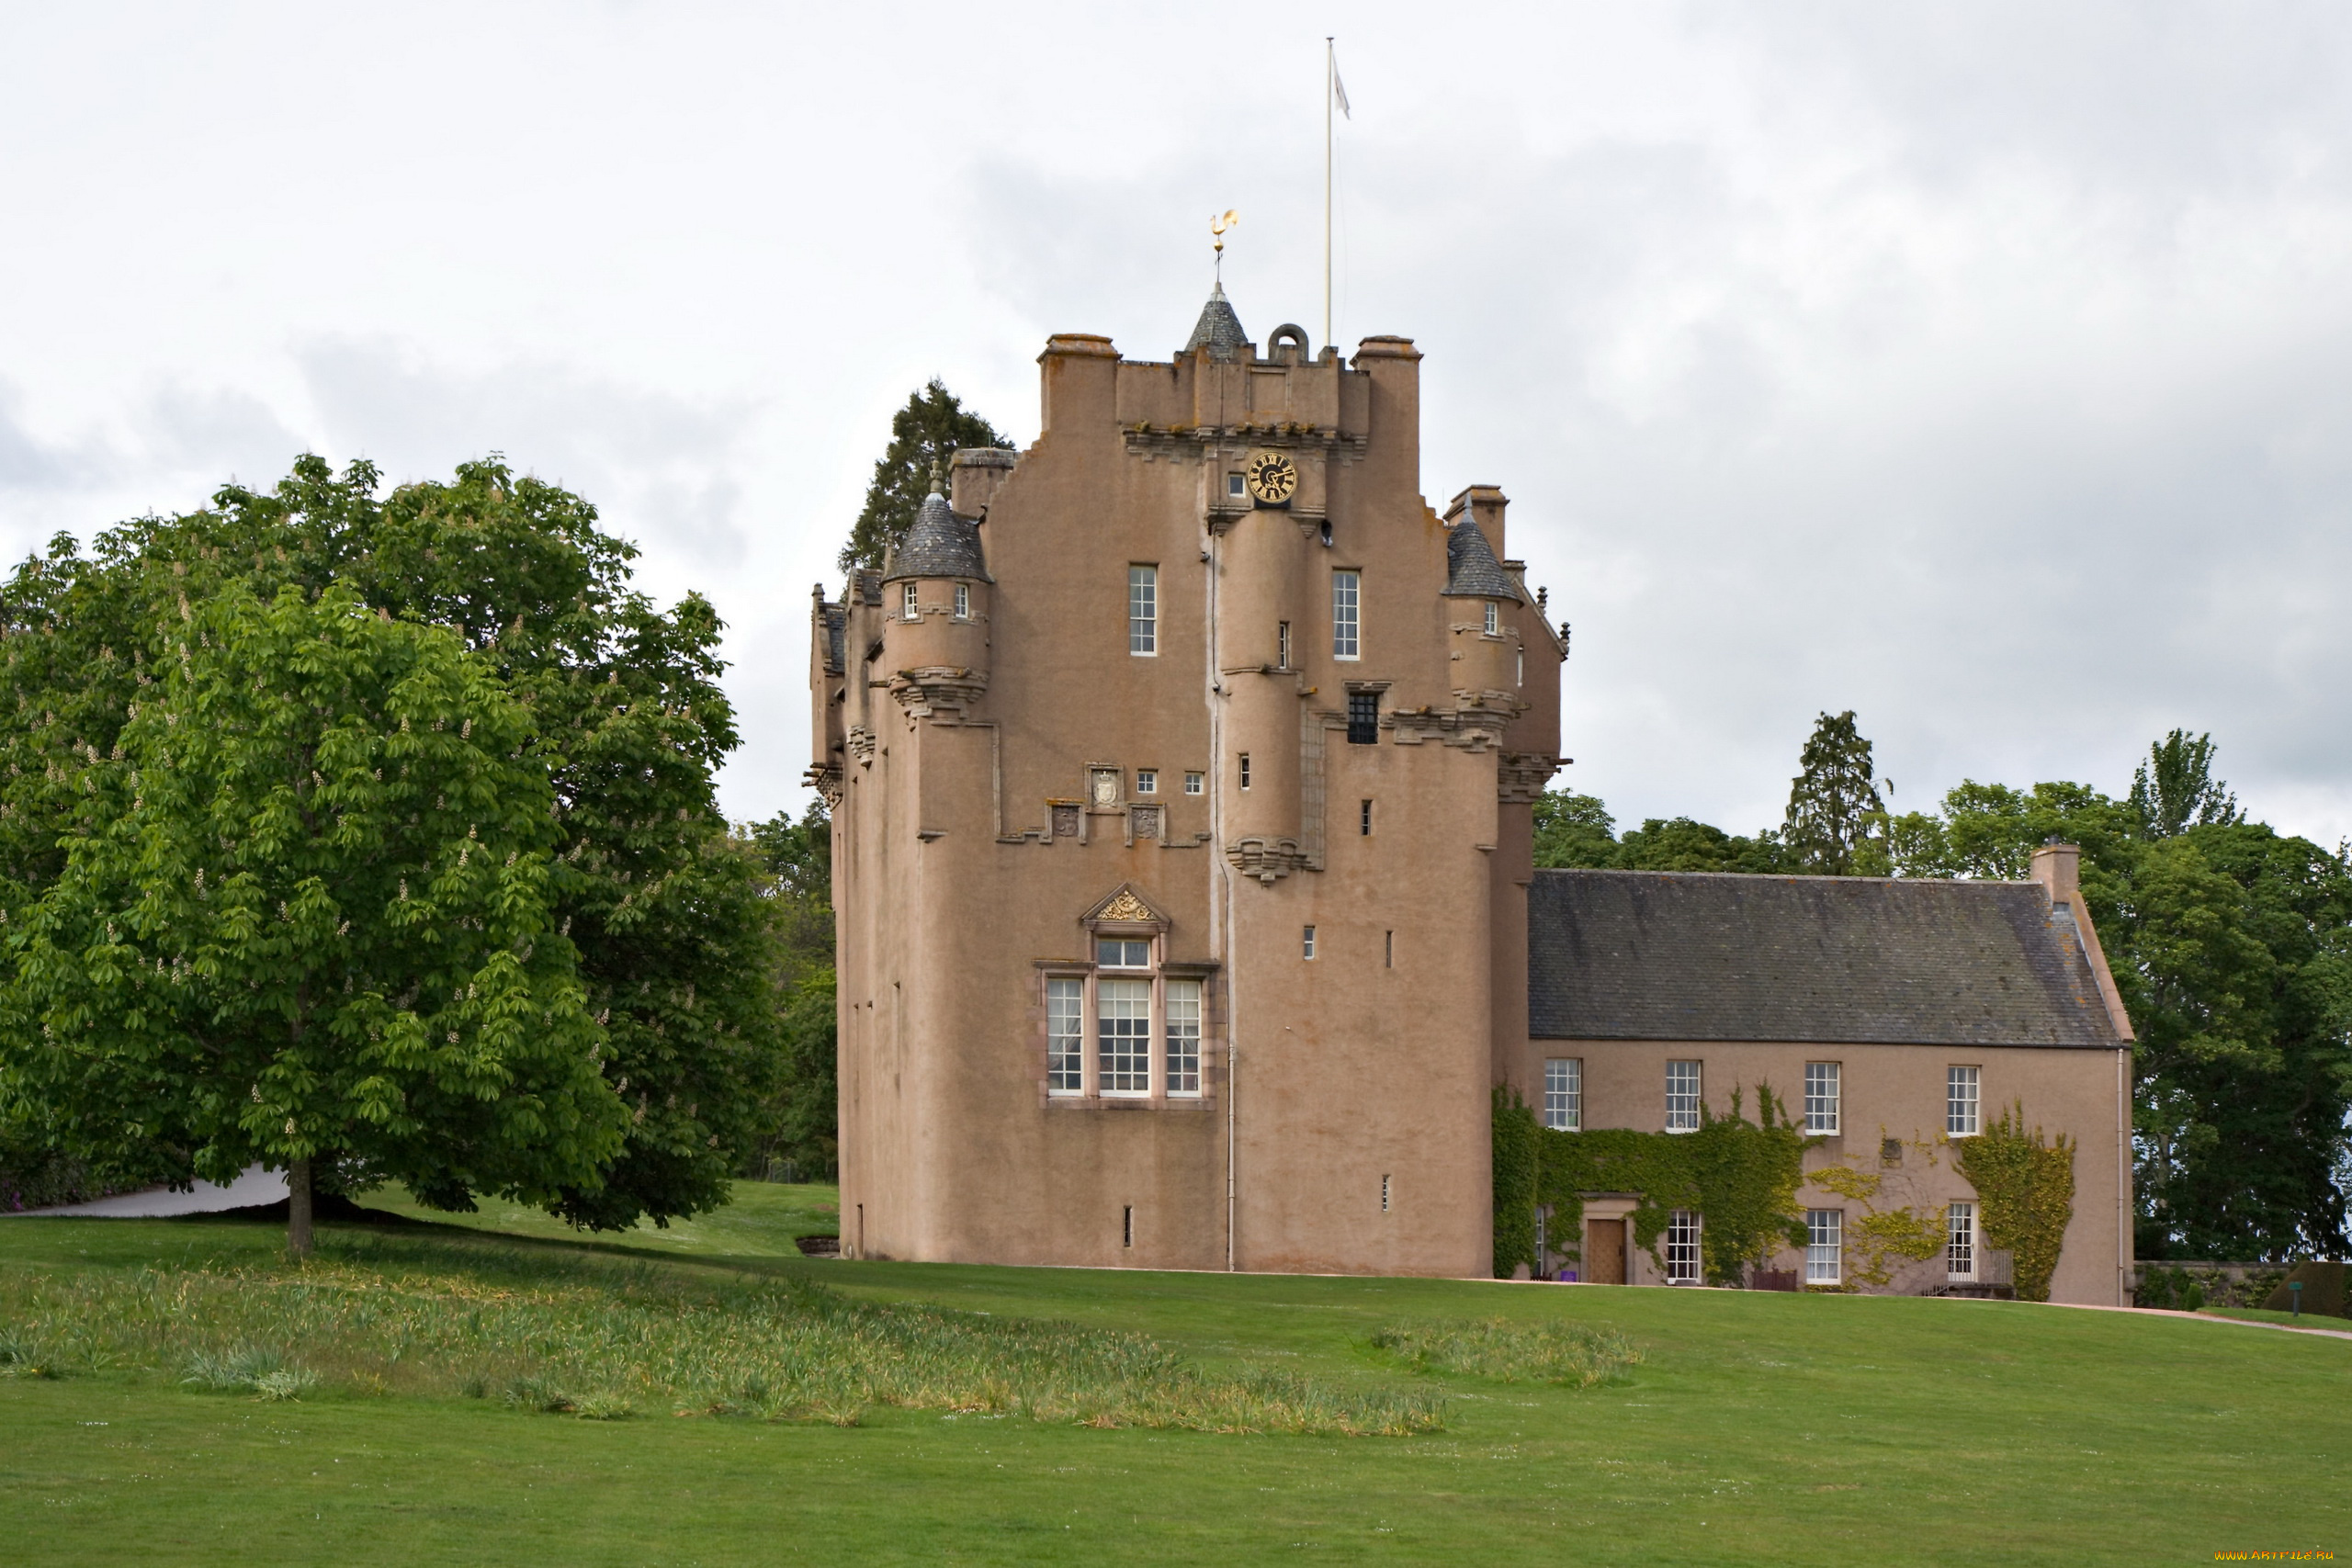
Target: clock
(1272,478)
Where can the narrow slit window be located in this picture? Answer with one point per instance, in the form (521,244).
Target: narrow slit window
(1390,962)
(1184,1037)
(1384,1194)
(1128,1224)
(1682,1097)
(1364,819)
(1563,1094)
(1347,608)
(1282,645)
(1961,1109)
(1142,611)
(1824,1246)
(1306,942)
(1065,1037)
(963,601)
(1821,1097)
(1245,770)
(1123,1035)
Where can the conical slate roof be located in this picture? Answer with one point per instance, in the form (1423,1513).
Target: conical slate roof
(1471,570)
(939,545)
(1219,328)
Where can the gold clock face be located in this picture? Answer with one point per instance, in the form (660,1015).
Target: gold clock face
(1272,478)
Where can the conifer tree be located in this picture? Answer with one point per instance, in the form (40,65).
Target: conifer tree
(2176,789)
(1831,801)
(925,432)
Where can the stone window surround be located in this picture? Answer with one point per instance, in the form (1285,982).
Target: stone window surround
(1163,969)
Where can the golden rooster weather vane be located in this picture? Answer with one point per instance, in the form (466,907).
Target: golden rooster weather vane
(1219,226)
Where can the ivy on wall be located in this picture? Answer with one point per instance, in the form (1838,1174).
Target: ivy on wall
(1742,1176)
(1886,1233)
(2025,1190)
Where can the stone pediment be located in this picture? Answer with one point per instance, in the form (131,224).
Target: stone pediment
(1124,907)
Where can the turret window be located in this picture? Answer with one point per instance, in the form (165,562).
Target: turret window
(908,604)
(1142,611)
(1347,602)
(963,601)
(1494,619)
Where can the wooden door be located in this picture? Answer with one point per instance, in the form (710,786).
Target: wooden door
(1604,1252)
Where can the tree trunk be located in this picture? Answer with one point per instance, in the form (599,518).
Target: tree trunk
(298,1206)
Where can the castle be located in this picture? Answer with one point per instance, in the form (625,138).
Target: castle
(1183,769)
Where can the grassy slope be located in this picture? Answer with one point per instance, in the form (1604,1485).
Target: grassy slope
(1764,1427)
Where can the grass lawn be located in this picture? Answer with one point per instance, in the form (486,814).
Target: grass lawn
(1758,1428)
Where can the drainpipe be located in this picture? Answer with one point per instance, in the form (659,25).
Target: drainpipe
(1221,904)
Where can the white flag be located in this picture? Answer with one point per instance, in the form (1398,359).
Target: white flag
(1338,89)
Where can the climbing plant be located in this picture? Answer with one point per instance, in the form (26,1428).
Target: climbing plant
(1742,1176)
(2025,1188)
(1888,1233)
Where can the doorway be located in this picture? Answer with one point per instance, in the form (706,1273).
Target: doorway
(1604,1252)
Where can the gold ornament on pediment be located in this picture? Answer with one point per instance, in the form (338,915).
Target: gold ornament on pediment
(1127,906)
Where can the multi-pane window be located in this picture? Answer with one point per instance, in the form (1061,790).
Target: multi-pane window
(908,604)
(1143,610)
(1682,1097)
(1184,1037)
(1494,619)
(1563,1094)
(1347,609)
(1123,1036)
(1147,781)
(1363,719)
(1959,1247)
(1245,770)
(1191,784)
(1282,645)
(1821,1097)
(1065,1037)
(1306,942)
(1960,1103)
(1122,953)
(1825,1246)
(963,601)
(1682,1248)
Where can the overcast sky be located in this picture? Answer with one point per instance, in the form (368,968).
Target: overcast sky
(1985,370)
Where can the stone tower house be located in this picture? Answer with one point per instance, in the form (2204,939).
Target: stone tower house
(1181,769)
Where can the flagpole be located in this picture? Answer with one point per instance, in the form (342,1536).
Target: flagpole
(1330,77)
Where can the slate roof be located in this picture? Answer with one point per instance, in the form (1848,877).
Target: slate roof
(1690,956)
(1471,570)
(940,544)
(1218,328)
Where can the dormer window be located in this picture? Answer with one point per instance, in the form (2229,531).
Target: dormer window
(907,606)
(1494,619)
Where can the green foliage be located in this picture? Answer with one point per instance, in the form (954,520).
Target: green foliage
(2025,1188)
(1741,1176)
(305,913)
(558,1334)
(924,437)
(2174,789)
(626,723)
(1576,830)
(1568,1355)
(802,1134)
(1517,1172)
(1833,799)
(1573,830)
